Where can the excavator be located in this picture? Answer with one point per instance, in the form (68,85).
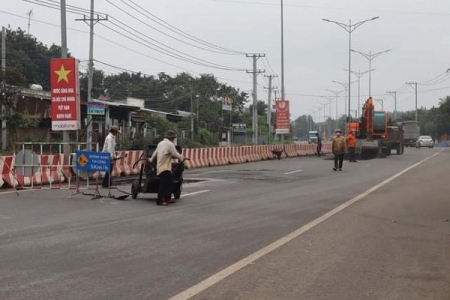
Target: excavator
(376,134)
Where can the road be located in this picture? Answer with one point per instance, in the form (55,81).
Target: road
(288,229)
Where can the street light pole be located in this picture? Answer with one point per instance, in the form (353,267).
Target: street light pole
(350,28)
(369,56)
(336,95)
(359,74)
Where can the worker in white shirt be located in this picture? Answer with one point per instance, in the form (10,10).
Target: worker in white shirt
(163,155)
(110,147)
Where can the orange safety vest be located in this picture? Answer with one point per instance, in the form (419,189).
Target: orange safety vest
(351,141)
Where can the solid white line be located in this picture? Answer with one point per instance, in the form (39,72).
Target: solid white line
(212,280)
(194,193)
(19,191)
(293,172)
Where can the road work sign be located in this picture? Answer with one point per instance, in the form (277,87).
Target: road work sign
(93,161)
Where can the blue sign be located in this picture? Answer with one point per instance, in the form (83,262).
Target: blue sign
(93,161)
(95,108)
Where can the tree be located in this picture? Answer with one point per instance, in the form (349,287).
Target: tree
(28,59)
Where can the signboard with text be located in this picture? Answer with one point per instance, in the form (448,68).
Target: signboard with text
(227,103)
(93,161)
(96,109)
(282,117)
(65,94)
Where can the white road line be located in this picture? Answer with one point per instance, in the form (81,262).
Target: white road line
(293,172)
(19,191)
(194,193)
(212,280)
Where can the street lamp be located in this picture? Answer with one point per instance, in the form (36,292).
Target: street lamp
(336,95)
(359,74)
(370,57)
(349,28)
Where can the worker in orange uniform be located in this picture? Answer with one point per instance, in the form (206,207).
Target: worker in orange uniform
(351,145)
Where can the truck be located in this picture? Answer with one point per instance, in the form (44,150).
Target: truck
(376,136)
(312,137)
(411,132)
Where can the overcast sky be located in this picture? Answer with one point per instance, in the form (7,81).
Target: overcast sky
(316,52)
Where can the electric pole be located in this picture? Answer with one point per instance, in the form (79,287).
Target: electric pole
(255,73)
(395,103)
(269,103)
(4,132)
(92,22)
(415,89)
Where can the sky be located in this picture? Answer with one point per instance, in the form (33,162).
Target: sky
(215,36)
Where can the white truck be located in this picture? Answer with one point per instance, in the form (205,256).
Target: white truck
(312,137)
(411,132)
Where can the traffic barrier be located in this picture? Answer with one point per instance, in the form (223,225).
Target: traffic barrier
(212,156)
(224,155)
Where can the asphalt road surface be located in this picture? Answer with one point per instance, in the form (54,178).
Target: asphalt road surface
(288,229)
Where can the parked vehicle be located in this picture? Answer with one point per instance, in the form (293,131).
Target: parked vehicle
(424,141)
(312,137)
(411,132)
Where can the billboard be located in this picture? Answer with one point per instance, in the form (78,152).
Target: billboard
(227,103)
(65,93)
(282,117)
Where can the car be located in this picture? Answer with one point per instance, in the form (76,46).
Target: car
(424,141)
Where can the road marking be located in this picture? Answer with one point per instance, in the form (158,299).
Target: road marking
(214,279)
(194,193)
(293,172)
(19,191)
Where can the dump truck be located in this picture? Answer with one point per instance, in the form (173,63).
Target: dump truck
(411,132)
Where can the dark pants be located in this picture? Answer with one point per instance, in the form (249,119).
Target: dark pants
(319,149)
(165,185)
(351,154)
(338,158)
(107,179)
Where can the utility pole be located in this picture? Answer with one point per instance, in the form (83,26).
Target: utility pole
(192,118)
(382,103)
(255,73)
(66,136)
(395,103)
(30,13)
(415,88)
(92,22)
(269,103)
(4,133)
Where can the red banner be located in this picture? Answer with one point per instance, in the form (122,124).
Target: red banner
(282,116)
(65,94)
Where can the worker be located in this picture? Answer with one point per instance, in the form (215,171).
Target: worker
(319,144)
(338,147)
(163,155)
(110,146)
(351,145)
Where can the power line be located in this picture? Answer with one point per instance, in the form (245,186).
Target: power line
(181,32)
(166,34)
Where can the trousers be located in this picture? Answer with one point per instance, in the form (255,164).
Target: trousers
(338,160)
(165,186)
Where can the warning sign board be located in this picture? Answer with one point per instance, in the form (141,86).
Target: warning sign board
(93,161)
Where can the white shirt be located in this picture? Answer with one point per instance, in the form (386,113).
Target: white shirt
(110,144)
(164,152)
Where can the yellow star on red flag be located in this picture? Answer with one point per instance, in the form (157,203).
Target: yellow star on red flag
(62,74)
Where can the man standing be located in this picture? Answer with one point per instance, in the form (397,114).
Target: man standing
(338,147)
(110,147)
(163,155)
(319,144)
(351,144)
